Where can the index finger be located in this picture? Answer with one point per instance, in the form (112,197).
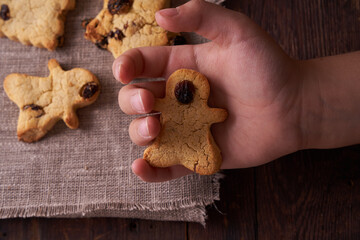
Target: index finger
(153,62)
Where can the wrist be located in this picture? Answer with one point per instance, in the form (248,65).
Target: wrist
(311,107)
(330,101)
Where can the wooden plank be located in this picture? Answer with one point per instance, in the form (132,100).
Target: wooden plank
(310,195)
(90,228)
(235,216)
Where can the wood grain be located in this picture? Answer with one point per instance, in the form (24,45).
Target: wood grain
(234,217)
(90,228)
(312,194)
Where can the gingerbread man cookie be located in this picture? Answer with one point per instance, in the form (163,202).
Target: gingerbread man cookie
(125,24)
(185,137)
(45,100)
(39,23)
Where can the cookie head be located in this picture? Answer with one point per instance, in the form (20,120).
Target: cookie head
(87,86)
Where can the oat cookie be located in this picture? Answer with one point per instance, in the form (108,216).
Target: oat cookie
(125,24)
(185,137)
(34,22)
(45,100)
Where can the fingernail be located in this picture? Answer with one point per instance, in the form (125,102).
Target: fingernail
(143,129)
(169,12)
(137,103)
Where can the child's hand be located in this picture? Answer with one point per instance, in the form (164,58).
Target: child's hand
(249,75)
(276,105)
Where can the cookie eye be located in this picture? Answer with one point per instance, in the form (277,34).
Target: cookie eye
(184,91)
(5,12)
(89,90)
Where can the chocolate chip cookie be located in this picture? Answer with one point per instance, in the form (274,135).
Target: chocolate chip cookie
(39,23)
(125,24)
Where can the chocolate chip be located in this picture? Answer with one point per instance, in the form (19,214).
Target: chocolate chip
(89,90)
(179,40)
(85,22)
(119,6)
(117,34)
(102,44)
(111,34)
(184,91)
(35,107)
(5,12)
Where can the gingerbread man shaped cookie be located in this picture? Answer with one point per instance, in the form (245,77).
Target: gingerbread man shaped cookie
(125,24)
(185,137)
(39,23)
(45,100)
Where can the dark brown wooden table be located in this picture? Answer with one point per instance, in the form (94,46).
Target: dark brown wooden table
(311,194)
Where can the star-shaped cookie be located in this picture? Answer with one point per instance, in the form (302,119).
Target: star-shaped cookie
(125,24)
(34,22)
(45,100)
(185,137)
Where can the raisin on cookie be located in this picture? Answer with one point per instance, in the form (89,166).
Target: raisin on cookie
(125,24)
(185,137)
(39,23)
(45,100)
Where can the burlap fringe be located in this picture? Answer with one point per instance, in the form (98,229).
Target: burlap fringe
(86,210)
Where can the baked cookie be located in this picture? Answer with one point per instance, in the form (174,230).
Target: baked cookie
(125,24)
(45,100)
(185,137)
(34,22)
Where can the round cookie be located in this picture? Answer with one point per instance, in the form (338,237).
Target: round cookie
(39,23)
(185,137)
(125,24)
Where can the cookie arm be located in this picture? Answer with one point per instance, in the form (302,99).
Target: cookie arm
(160,104)
(218,115)
(53,64)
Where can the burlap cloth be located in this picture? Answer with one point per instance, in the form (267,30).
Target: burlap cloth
(85,172)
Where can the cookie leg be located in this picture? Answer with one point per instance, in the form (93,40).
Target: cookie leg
(71,119)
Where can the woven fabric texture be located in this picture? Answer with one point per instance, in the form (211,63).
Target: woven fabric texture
(85,172)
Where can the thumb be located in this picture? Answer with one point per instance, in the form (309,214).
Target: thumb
(209,20)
